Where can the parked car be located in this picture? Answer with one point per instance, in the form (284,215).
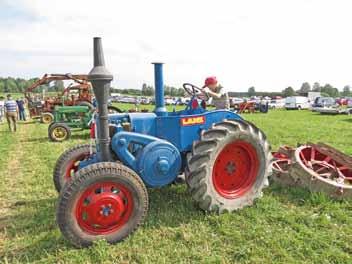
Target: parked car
(277,103)
(127,99)
(296,102)
(145,100)
(169,101)
(323,102)
(235,102)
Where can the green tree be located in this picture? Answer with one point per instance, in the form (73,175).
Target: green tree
(305,88)
(330,90)
(11,86)
(346,90)
(180,92)
(316,87)
(2,86)
(251,91)
(173,91)
(288,92)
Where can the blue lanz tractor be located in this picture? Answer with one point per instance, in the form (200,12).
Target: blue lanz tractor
(103,192)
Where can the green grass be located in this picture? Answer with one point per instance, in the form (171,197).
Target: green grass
(285,226)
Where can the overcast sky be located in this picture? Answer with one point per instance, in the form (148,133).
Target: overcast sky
(268,44)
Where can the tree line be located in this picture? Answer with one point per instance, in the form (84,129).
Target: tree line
(148,90)
(19,85)
(325,90)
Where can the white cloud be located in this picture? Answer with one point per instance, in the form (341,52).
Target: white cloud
(269,44)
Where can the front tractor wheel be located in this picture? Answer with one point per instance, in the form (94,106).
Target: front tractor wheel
(105,200)
(47,118)
(68,163)
(59,132)
(229,166)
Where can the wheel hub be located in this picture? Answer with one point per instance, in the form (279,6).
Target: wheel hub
(59,132)
(230,168)
(235,169)
(104,208)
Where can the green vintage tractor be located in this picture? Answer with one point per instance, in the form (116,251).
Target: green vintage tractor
(67,118)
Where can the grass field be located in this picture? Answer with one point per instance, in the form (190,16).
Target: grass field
(285,226)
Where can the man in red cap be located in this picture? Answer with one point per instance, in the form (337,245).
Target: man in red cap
(220,98)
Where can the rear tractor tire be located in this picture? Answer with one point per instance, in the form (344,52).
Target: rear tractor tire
(59,132)
(105,200)
(46,118)
(229,166)
(67,164)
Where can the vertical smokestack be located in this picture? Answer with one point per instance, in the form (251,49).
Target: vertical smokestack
(160,109)
(101,79)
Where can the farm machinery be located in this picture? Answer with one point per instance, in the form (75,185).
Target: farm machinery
(67,118)
(316,167)
(77,93)
(103,187)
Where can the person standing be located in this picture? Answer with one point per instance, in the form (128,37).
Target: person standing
(2,110)
(21,109)
(11,111)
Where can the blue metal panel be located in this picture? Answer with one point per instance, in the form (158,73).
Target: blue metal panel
(181,135)
(143,123)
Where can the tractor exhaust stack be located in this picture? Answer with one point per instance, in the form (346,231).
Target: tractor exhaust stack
(160,109)
(101,79)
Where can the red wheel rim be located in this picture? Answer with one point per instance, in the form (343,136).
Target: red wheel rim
(281,163)
(104,208)
(324,166)
(72,167)
(235,169)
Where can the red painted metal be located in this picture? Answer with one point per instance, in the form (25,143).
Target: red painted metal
(92,130)
(72,167)
(80,84)
(235,169)
(324,165)
(104,208)
(281,163)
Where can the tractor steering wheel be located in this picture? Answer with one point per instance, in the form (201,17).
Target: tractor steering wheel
(195,91)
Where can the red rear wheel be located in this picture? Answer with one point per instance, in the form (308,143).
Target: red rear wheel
(235,169)
(229,166)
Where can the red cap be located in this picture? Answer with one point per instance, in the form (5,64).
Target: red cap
(210,80)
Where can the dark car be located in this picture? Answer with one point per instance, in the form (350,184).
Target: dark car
(324,102)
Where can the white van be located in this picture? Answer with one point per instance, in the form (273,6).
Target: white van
(297,102)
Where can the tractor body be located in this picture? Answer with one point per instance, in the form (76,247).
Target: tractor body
(156,146)
(103,192)
(66,118)
(73,116)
